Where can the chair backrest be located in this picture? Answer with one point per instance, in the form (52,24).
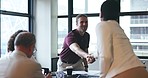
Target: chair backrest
(54,64)
(45,71)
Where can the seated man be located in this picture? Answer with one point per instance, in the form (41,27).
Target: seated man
(18,64)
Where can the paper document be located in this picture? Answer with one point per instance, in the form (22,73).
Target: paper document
(90,72)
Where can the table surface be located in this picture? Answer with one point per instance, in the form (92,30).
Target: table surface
(76,74)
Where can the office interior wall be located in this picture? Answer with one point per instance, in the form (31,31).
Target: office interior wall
(54,28)
(43,34)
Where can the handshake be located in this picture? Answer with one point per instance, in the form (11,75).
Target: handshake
(90,59)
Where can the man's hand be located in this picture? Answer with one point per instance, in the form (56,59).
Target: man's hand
(48,75)
(90,59)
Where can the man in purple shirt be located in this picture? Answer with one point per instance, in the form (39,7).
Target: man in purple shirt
(75,47)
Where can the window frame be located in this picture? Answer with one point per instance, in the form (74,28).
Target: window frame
(29,15)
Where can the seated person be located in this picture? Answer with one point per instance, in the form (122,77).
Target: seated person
(18,63)
(10,44)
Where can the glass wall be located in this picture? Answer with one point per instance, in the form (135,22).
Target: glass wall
(62,32)
(134,5)
(15,6)
(62,7)
(86,6)
(14,16)
(136,26)
(62,22)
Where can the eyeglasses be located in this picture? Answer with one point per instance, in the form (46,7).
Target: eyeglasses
(35,50)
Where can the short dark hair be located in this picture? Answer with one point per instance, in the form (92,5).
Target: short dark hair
(110,10)
(25,39)
(80,15)
(10,44)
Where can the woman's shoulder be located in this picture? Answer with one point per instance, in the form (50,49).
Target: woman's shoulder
(102,24)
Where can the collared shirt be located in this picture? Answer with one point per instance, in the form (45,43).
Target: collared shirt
(114,48)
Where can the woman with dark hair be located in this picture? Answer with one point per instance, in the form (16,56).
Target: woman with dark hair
(117,58)
(10,44)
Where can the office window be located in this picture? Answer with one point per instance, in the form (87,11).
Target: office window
(133,5)
(136,28)
(62,7)
(15,6)
(139,19)
(86,6)
(62,32)
(14,16)
(9,25)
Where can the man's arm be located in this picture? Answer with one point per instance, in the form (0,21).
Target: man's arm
(76,48)
(83,54)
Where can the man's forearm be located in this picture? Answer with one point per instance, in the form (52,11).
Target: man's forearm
(76,48)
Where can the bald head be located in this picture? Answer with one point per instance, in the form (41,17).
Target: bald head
(25,39)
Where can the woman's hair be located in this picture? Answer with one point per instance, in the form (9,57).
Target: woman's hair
(10,44)
(110,10)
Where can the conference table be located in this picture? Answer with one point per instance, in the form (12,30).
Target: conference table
(76,74)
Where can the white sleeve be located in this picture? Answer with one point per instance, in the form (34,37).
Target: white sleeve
(104,48)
